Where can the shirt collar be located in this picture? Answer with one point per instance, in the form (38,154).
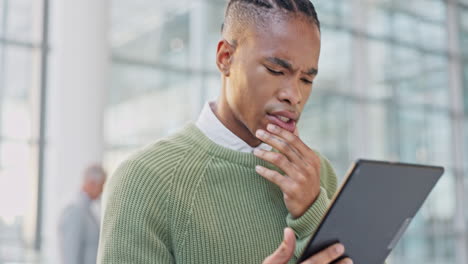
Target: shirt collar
(210,125)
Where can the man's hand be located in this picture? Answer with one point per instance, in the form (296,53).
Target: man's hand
(285,251)
(301,185)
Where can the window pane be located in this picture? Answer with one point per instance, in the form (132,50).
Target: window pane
(381,18)
(325,126)
(18,148)
(169,33)
(18,70)
(407,75)
(433,36)
(160,103)
(335,70)
(424,136)
(18,131)
(381,70)
(406,25)
(163,41)
(434,10)
(16,109)
(382,139)
(328,11)
(21,19)
(2,17)
(463,17)
(439,139)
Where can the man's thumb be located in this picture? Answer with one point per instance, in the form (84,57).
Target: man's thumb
(285,251)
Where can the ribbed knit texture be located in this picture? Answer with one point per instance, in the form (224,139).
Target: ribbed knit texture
(185,199)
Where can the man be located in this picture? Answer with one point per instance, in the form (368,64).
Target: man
(196,196)
(78,224)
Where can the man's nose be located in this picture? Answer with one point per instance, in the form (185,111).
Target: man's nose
(291,94)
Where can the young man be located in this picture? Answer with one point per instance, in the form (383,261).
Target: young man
(216,192)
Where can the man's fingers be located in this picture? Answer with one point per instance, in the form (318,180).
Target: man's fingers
(274,177)
(285,251)
(291,138)
(288,144)
(327,255)
(277,159)
(281,144)
(345,261)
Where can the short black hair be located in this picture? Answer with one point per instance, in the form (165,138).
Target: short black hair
(244,11)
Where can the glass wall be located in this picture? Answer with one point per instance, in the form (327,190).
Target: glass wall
(463,19)
(162,69)
(20,60)
(382,93)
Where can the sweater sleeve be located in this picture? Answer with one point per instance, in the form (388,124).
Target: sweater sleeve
(135,229)
(306,225)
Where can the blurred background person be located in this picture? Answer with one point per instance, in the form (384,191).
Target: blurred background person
(79,224)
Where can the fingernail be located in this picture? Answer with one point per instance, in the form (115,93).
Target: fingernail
(258,168)
(257,151)
(260,133)
(272,128)
(339,249)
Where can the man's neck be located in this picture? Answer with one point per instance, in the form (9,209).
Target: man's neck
(225,115)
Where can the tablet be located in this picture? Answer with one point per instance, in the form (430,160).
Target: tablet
(372,209)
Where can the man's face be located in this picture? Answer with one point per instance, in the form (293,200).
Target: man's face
(271,74)
(95,189)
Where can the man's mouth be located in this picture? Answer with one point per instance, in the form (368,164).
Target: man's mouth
(285,120)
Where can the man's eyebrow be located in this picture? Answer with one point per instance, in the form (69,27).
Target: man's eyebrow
(288,66)
(312,71)
(281,63)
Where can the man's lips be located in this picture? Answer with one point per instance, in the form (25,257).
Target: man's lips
(288,114)
(283,121)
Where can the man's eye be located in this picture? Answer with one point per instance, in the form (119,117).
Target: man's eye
(274,72)
(306,81)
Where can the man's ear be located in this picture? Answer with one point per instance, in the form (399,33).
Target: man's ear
(224,54)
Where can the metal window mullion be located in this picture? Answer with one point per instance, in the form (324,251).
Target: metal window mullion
(18,43)
(456,99)
(359,81)
(42,122)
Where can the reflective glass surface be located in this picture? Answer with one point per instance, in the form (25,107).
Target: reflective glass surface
(17,19)
(19,97)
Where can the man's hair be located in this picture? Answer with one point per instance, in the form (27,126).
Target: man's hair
(239,13)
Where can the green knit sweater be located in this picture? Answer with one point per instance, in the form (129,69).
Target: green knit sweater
(185,199)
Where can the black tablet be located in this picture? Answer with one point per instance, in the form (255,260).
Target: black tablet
(373,208)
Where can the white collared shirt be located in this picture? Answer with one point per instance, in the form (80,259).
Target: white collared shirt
(210,125)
